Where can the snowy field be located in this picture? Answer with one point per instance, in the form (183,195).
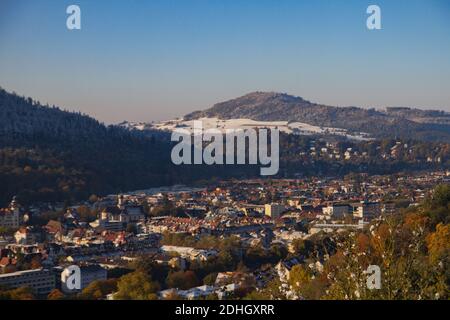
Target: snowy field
(215,123)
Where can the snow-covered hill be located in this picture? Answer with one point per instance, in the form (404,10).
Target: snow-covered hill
(216,123)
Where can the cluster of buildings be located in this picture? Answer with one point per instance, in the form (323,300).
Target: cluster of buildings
(258,212)
(225,285)
(318,149)
(44,280)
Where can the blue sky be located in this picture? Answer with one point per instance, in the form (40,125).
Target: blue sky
(152,60)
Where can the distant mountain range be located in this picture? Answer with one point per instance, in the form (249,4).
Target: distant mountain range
(395,122)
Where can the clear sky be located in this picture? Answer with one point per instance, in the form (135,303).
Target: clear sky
(159,59)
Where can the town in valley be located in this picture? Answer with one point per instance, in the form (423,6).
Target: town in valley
(225,240)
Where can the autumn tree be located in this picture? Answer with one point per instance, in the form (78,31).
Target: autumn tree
(98,289)
(55,294)
(136,286)
(182,280)
(22,293)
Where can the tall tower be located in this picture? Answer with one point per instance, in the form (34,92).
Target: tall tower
(120,201)
(14,206)
(15,210)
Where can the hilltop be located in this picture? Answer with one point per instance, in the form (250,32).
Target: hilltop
(394,122)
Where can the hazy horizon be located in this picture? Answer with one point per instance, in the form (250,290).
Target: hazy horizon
(150,61)
(207,107)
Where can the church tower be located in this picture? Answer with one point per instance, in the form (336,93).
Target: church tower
(14,208)
(120,201)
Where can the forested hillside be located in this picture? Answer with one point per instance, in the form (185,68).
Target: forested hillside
(50,154)
(47,154)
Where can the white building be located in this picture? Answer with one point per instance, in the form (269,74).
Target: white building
(336,227)
(366,210)
(336,210)
(189,253)
(116,218)
(40,280)
(388,208)
(190,294)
